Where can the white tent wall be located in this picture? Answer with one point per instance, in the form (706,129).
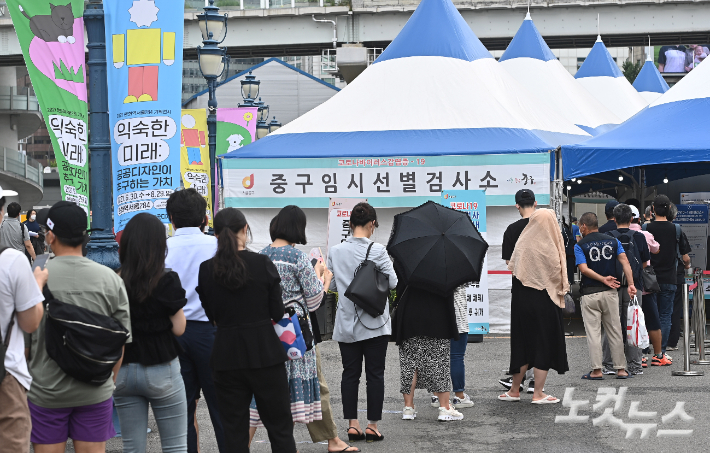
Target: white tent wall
(288,92)
(498,218)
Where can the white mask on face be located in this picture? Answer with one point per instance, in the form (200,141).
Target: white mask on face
(33,217)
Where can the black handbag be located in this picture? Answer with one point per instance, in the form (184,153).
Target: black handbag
(303,323)
(650,281)
(369,287)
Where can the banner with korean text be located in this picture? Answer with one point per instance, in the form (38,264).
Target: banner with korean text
(52,40)
(144,52)
(339,212)
(236,127)
(195,154)
(473,202)
(385,182)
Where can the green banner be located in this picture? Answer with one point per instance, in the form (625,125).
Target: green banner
(51,36)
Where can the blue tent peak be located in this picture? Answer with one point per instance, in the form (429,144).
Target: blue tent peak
(649,79)
(599,63)
(436,29)
(528,42)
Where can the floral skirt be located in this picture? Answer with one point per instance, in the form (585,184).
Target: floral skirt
(304,389)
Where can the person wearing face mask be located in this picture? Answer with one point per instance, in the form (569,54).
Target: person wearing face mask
(35,231)
(358,334)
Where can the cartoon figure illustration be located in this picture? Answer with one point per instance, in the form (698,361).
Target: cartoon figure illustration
(140,50)
(55,27)
(193,139)
(235,142)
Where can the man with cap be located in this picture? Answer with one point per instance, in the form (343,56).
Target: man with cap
(61,406)
(526,205)
(610,224)
(665,264)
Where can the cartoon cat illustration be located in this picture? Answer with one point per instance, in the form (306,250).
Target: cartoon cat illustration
(55,27)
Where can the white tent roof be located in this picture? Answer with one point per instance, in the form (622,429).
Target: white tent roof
(601,76)
(531,62)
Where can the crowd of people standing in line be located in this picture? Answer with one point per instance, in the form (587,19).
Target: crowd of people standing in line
(200,311)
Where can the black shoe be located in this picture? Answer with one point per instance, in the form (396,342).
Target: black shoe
(355,437)
(373,437)
(508,383)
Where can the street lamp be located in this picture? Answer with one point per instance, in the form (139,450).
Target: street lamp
(273,125)
(250,89)
(213,62)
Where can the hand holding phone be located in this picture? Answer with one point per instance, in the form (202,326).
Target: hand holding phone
(40,261)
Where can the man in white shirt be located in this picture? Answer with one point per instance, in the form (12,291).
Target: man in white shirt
(20,310)
(187,249)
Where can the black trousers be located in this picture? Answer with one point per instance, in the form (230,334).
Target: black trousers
(374,351)
(674,336)
(269,386)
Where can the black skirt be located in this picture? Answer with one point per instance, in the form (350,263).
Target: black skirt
(537,336)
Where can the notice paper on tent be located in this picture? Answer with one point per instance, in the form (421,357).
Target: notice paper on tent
(339,212)
(473,202)
(386,182)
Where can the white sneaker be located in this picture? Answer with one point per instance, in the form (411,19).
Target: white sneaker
(434,401)
(462,402)
(446,415)
(408,413)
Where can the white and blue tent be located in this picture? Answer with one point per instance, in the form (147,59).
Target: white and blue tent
(649,83)
(652,138)
(601,76)
(531,62)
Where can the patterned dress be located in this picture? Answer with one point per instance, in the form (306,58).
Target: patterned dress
(298,282)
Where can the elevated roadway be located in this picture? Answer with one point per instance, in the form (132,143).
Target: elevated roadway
(563,23)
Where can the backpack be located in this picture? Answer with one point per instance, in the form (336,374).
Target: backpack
(632,254)
(86,345)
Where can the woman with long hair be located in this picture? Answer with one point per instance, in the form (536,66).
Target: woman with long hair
(303,291)
(359,335)
(150,373)
(241,293)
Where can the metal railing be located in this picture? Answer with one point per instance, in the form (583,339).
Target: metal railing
(18,98)
(197,5)
(13,161)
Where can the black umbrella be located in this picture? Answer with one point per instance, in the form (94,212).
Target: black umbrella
(437,248)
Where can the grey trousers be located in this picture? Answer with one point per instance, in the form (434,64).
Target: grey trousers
(632,353)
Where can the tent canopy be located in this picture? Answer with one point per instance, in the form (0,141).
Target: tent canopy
(436,90)
(601,76)
(649,82)
(652,139)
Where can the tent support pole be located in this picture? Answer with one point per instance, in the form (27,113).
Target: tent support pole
(642,198)
(557,186)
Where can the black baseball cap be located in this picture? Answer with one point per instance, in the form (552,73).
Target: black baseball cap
(524,196)
(661,200)
(609,208)
(65,219)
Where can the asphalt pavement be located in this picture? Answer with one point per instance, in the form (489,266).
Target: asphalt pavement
(640,419)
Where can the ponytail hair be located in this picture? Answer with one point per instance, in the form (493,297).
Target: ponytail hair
(362,214)
(229,269)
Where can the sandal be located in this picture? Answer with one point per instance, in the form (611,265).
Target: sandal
(506,397)
(549,399)
(589,377)
(355,437)
(346,449)
(373,437)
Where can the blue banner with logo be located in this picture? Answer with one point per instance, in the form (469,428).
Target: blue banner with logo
(144,53)
(473,203)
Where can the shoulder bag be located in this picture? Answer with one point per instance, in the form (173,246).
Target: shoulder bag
(303,323)
(289,332)
(650,281)
(369,287)
(4,344)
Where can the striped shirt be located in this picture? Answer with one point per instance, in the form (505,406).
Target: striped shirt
(460,306)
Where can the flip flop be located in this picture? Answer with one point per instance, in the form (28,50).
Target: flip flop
(508,397)
(549,399)
(346,450)
(628,376)
(589,377)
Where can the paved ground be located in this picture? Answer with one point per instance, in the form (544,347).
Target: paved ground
(495,426)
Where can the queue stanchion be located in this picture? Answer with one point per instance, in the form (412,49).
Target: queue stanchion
(686,337)
(699,318)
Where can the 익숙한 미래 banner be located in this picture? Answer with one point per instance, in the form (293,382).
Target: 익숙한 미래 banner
(195,155)
(144,53)
(52,40)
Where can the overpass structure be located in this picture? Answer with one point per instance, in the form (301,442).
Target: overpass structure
(268,29)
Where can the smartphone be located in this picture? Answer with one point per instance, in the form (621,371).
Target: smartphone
(40,261)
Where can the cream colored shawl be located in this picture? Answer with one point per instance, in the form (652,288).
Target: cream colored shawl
(538,259)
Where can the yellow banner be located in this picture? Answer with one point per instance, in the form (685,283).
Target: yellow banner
(195,154)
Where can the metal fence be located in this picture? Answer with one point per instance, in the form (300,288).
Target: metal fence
(15,162)
(197,5)
(18,98)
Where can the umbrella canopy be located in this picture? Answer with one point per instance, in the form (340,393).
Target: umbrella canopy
(437,248)
(601,76)
(649,82)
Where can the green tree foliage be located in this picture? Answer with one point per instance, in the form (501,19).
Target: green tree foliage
(631,70)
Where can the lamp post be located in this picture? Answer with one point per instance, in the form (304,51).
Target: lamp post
(273,125)
(102,247)
(213,62)
(262,129)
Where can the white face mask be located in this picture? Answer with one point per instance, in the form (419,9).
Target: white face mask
(33,217)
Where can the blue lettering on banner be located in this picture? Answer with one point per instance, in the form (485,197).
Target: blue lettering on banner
(692,213)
